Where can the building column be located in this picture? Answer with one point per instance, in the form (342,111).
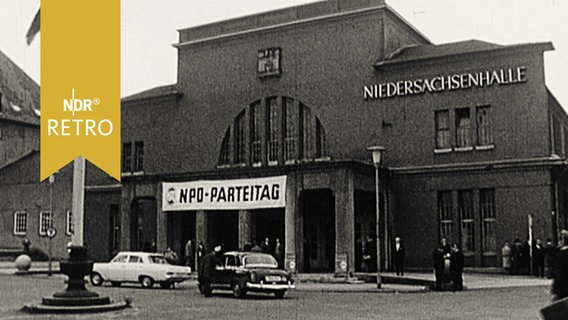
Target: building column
(245,227)
(344,192)
(161,223)
(201,229)
(126,218)
(290,262)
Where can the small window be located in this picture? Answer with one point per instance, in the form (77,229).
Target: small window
(127,157)
(120,258)
(69,223)
(442,129)
(463,128)
(465,205)
(139,156)
(230,261)
(484,137)
(20,223)
(45,222)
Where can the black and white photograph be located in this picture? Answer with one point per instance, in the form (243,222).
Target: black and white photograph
(299,159)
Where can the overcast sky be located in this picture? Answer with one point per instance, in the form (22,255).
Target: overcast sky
(149,27)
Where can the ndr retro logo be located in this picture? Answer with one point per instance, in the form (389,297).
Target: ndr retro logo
(79,127)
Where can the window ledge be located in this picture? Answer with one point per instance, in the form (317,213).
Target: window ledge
(289,161)
(138,173)
(272,163)
(257,164)
(323,159)
(222,166)
(463,149)
(444,150)
(126,174)
(485,147)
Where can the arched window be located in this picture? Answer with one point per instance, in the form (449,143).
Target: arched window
(271,131)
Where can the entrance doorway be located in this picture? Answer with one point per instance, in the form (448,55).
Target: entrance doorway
(180,228)
(223,230)
(143,224)
(268,223)
(319,230)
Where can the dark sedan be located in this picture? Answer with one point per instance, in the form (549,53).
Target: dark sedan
(244,272)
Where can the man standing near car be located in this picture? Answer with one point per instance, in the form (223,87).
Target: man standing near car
(206,267)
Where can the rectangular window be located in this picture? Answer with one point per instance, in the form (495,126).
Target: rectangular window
(240,138)
(445,214)
(45,222)
(557,136)
(127,157)
(291,124)
(467,223)
(307,132)
(484,137)
(488,220)
(225,156)
(139,156)
(463,128)
(442,129)
(272,129)
(321,148)
(20,223)
(69,223)
(114,227)
(256,134)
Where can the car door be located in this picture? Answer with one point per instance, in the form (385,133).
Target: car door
(115,270)
(133,268)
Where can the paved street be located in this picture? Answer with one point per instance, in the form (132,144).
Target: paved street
(185,302)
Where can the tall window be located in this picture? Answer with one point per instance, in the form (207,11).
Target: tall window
(45,222)
(114,227)
(69,224)
(139,156)
(445,214)
(463,128)
(272,124)
(256,133)
(442,129)
(465,207)
(20,223)
(291,132)
(273,130)
(240,138)
(488,220)
(483,126)
(127,157)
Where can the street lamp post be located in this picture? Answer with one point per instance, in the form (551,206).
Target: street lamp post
(377,153)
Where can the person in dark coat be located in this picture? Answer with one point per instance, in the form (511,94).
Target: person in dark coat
(206,267)
(439,257)
(398,253)
(265,247)
(538,259)
(456,267)
(516,257)
(560,275)
(549,255)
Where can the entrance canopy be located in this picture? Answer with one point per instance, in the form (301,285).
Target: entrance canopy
(238,194)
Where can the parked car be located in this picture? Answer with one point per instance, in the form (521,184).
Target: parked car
(143,267)
(244,272)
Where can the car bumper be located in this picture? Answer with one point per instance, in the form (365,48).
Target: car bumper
(177,278)
(270,286)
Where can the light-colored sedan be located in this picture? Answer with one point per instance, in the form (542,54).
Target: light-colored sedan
(143,267)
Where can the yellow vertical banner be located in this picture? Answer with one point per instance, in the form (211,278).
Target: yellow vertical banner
(80,84)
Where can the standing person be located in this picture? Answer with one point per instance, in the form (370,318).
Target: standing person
(256,247)
(265,247)
(206,267)
(439,263)
(517,256)
(506,257)
(538,259)
(526,263)
(171,256)
(560,274)
(549,255)
(366,259)
(200,251)
(278,252)
(190,254)
(456,267)
(398,257)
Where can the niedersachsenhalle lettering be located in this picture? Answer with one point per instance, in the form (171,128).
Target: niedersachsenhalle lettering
(457,81)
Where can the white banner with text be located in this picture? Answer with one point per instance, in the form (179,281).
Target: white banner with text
(238,194)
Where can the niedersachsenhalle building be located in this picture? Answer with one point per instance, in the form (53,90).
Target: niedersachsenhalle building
(265,135)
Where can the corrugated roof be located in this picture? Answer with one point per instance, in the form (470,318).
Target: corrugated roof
(20,94)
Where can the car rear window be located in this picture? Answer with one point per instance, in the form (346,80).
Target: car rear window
(262,261)
(158,259)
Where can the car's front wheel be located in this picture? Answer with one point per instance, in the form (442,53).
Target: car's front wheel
(96,279)
(238,290)
(146,282)
(166,284)
(279,294)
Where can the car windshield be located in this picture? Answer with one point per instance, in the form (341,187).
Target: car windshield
(158,259)
(260,261)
